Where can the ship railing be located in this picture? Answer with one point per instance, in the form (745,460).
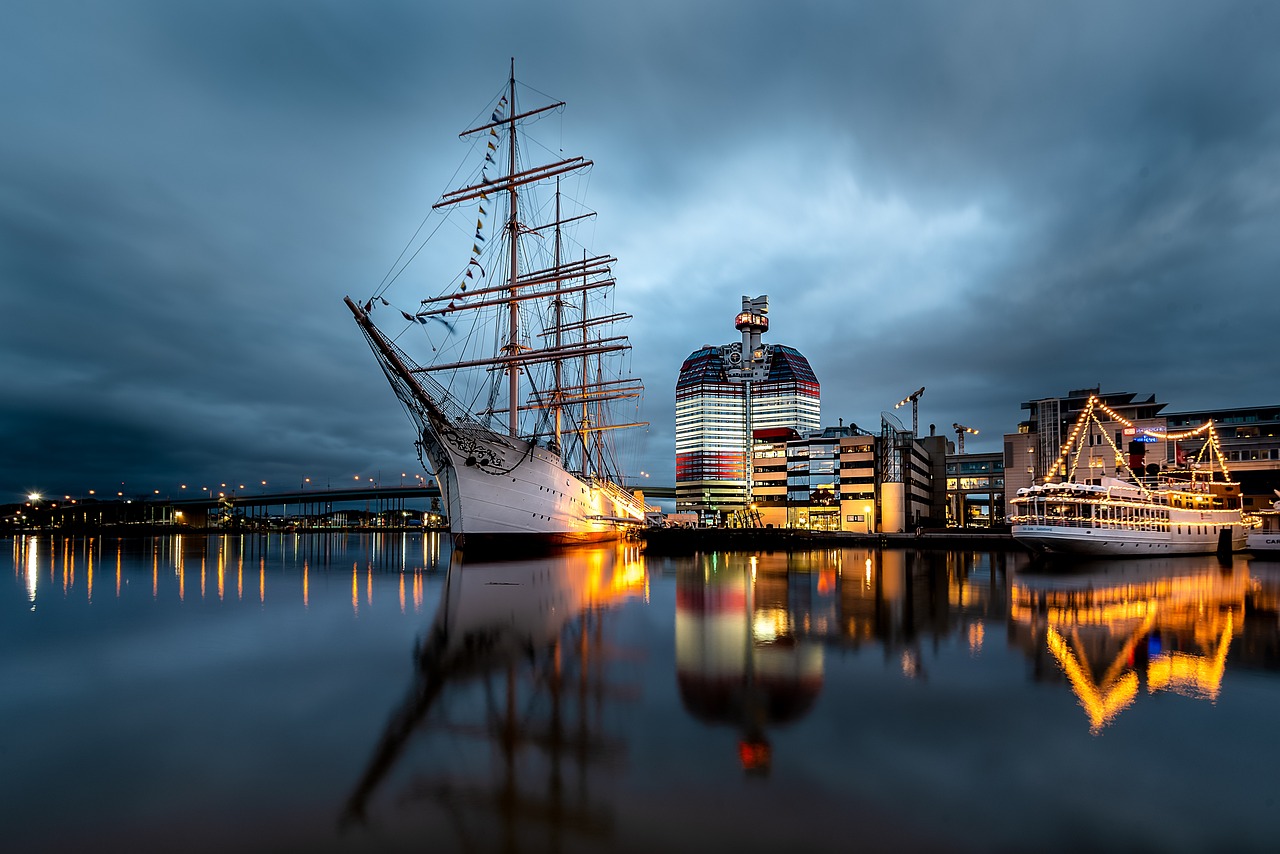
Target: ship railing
(612,489)
(1141,524)
(449,405)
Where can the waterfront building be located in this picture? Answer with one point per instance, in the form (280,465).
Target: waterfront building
(1250,441)
(975,490)
(846,479)
(1029,453)
(723,394)
(1249,438)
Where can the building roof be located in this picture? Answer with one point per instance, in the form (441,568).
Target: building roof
(707,365)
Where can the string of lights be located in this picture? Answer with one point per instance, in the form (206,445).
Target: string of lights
(1089,416)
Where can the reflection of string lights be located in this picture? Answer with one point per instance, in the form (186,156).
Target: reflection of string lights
(1100,703)
(977,633)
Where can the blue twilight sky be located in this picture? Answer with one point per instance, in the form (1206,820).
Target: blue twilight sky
(995,200)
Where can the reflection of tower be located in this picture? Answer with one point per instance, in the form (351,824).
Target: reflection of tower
(739,660)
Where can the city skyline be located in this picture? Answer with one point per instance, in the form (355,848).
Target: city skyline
(995,203)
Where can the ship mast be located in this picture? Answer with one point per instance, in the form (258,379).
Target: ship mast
(513,228)
(559,314)
(568,338)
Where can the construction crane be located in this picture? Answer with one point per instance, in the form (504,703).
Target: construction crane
(960,431)
(914,400)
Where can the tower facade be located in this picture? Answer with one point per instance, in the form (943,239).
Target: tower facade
(723,394)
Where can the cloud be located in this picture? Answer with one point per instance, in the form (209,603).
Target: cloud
(999,202)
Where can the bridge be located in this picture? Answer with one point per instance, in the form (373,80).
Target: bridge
(366,504)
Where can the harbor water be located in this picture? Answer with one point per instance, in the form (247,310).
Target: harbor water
(379,693)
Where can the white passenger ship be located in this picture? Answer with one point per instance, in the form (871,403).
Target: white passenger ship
(1183,512)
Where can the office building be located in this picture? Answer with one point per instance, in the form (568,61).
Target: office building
(723,394)
(1249,439)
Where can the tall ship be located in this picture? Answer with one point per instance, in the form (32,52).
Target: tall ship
(1195,510)
(520,360)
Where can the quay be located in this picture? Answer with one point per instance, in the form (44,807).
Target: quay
(417,508)
(678,541)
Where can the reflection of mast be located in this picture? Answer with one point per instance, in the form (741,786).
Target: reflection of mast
(528,636)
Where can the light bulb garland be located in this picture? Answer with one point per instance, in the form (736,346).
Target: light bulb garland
(1088,417)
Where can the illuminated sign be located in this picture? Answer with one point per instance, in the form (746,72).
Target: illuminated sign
(1144,438)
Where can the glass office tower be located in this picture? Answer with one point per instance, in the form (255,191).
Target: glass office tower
(720,389)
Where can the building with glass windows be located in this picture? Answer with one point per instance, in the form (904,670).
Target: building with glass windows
(975,490)
(833,480)
(1249,440)
(723,394)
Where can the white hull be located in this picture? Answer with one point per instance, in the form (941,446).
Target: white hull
(497,485)
(1100,542)
(1264,542)
(1118,519)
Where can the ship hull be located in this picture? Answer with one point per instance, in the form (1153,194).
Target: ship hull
(504,490)
(1100,542)
(1264,542)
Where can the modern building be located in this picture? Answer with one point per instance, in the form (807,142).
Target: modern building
(847,479)
(723,394)
(1250,442)
(1249,439)
(975,490)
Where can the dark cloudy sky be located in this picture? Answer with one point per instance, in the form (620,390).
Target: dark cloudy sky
(997,201)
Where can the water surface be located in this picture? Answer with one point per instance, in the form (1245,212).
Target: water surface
(376,693)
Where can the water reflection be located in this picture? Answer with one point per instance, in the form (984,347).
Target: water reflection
(189,560)
(752,631)
(741,658)
(856,688)
(521,646)
(1118,628)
